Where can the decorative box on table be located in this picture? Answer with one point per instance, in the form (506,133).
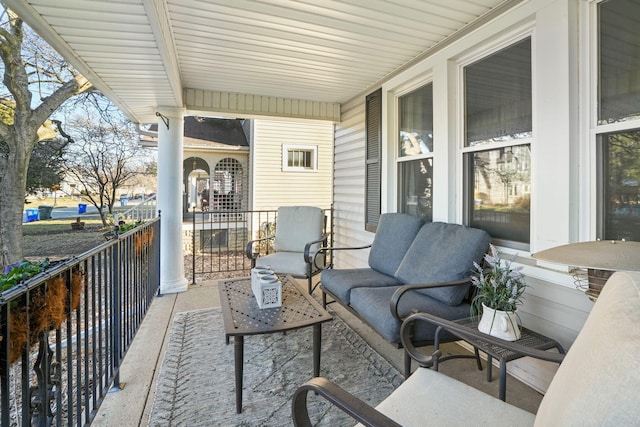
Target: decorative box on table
(266,287)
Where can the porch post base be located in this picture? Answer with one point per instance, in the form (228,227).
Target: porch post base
(174,286)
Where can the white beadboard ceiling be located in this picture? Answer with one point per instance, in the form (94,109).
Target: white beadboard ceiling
(148,53)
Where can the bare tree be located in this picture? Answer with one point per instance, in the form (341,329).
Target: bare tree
(29,67)
(105,156)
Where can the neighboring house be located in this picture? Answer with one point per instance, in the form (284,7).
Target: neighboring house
(215,160)
(292,164)
(254,164)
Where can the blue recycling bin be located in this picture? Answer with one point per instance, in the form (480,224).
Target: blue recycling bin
(32,214)
(82,208)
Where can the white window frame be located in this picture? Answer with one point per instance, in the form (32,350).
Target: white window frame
(595,223)
(487,50)
(287,148)
(395,141)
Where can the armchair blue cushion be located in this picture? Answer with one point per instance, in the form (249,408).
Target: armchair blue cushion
(372,305)
(443,252)
(341,282)
(394,236)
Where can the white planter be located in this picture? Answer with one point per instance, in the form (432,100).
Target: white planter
(500,324)
(266,287)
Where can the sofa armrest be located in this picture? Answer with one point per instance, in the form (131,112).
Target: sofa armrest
(469,334)
(398,294)
(326,249)
(340,398)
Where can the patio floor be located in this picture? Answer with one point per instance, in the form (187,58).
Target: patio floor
(131,406)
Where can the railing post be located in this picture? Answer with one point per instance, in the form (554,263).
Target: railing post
(4,364)
(116,313)
(159,254)
(193,249)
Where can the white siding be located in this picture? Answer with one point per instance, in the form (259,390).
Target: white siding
(349,187)
(273,187)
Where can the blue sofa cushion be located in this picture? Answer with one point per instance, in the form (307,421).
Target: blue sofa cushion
(340,282)
(394,235)
(443,252)
(373,305)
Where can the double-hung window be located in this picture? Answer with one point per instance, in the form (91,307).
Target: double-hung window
(415,152)
(498,133)
(617,126)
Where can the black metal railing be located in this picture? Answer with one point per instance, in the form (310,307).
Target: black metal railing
(65,332)
(219,239)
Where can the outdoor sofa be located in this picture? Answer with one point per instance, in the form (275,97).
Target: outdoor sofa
(414,266)
(597,383)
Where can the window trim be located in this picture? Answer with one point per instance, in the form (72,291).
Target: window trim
(287,148)
(597,129)
(466,151)
(397,159)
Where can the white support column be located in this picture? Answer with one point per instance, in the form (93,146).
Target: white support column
(170,144)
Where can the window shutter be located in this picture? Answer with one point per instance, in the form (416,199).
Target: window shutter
(373,168)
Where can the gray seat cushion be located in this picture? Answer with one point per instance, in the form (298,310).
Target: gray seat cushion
(285,263)
(443,252)
(340,282)
(373,305)
(429,398)
(394,235)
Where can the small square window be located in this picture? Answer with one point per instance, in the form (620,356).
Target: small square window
(299,158)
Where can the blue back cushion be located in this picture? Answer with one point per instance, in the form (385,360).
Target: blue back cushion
(394,235)
(440,253)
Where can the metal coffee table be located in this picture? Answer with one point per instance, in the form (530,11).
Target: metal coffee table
(243,317)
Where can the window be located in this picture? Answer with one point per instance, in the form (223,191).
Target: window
(299,158)
(415,152)
(618,120)
(620,155)
(498,133)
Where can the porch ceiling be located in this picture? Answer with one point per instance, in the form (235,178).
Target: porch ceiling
(149,53)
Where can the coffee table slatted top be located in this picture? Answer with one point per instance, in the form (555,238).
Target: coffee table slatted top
(242,316)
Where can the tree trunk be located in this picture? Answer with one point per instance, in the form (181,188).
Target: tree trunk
(13,181)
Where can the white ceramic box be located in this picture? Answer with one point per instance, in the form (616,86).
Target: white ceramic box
(266,287)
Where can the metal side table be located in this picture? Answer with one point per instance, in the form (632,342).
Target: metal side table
(528,339)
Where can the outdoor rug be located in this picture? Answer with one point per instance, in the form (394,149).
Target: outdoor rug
(196,384)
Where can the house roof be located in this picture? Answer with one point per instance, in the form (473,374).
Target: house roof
(207,133)
(248,58)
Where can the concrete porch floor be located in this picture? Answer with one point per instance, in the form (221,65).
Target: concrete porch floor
(132,404)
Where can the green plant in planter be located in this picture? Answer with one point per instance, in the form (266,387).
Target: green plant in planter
(121,224)
(20,272)
(500,285)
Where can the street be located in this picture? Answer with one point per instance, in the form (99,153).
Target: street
(73,211)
